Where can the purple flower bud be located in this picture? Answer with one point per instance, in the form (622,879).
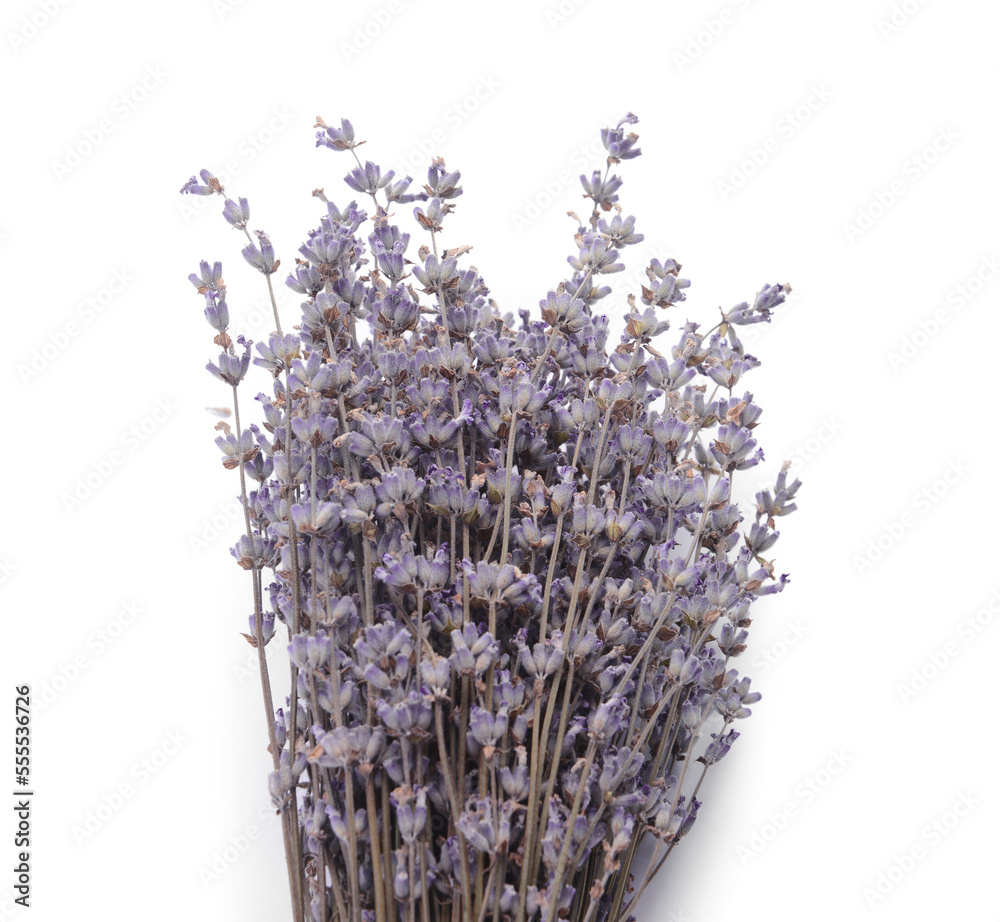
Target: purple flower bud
(216,311)
(684,668)
(236,214)
(719,747)
(516,781)
(310,653)
(262,257)
(601,190)
(368,178)
(411,812)
(231,368)
(337,138)
(618,145)
(210,279)
(477,826)
(607,719)
(442,184)
(596,256)
(472,653)
(436,674)
(620,233)
(410,718)
(541,661)
(209,185)
(487,728)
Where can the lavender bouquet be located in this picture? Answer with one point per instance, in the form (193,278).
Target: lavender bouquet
(510,571)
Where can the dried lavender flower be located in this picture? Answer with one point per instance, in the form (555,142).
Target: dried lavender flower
(507,556)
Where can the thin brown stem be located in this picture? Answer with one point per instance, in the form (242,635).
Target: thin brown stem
(289,820)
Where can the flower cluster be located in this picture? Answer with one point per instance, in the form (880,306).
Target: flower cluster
(503,554)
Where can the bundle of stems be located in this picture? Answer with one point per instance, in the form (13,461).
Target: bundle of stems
(507,558)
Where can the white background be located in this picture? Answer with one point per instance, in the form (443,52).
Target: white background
(783,141)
